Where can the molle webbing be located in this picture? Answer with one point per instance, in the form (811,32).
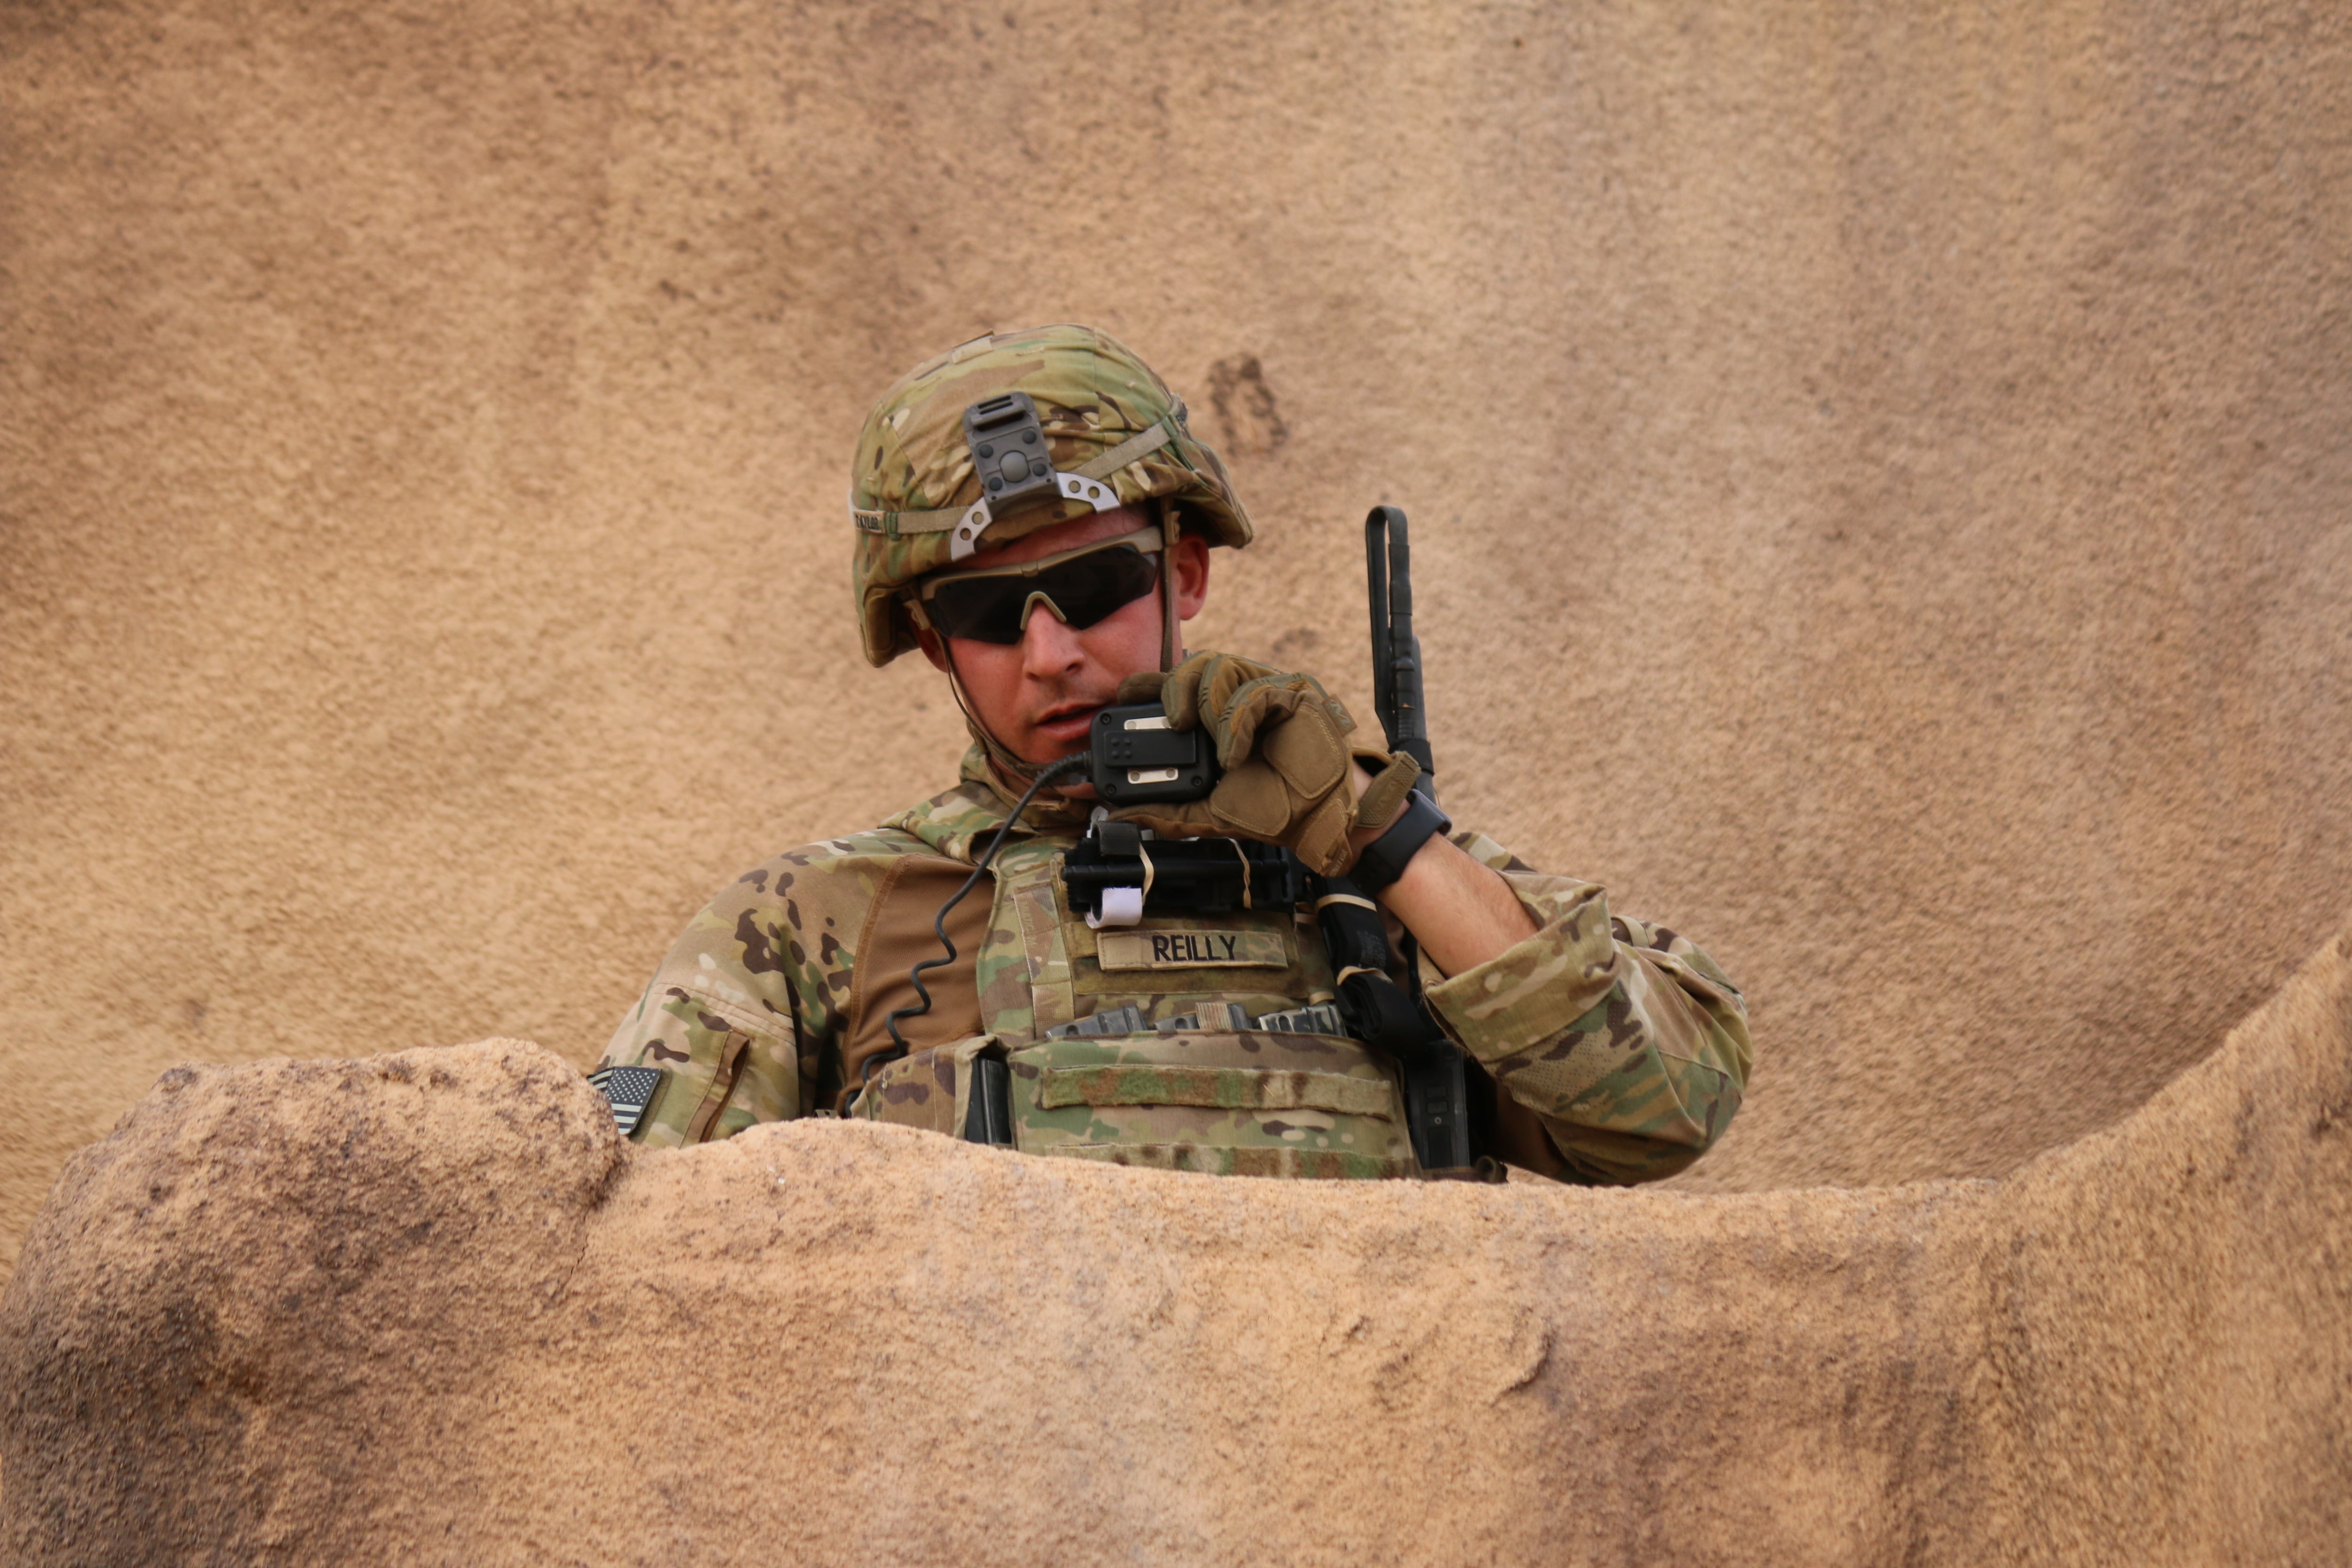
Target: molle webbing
(1288,1165)
(1130,1020)
(1228,1088)
(1240,1103)
(1245,1104)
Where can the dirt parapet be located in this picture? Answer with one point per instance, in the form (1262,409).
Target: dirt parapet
(1879,492)
(425,1307)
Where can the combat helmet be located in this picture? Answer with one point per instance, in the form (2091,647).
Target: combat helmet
(1112,432)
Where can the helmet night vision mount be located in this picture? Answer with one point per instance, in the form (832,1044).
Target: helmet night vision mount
(1009,454)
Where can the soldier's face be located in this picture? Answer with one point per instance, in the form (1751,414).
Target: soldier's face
(1038,696)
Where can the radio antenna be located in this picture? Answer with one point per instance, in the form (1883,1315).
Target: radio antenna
(1396,652)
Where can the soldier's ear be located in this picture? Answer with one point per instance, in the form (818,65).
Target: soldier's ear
(929,641)
(1190,562)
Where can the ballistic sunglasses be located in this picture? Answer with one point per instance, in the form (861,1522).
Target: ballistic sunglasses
(993,604)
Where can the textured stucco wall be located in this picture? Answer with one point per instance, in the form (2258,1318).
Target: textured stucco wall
(427,1308)
(1879,473)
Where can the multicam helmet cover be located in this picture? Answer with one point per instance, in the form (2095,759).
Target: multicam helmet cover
(1115,433)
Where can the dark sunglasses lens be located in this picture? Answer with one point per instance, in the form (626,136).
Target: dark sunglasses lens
(1093,587)
(1084,589)
(986,611)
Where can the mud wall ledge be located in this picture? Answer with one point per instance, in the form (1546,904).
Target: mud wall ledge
(424,1306)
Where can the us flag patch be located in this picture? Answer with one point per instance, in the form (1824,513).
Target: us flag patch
(629,1091)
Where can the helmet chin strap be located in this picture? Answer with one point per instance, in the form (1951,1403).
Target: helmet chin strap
(1170,530)
(1013,775)
(1002,755)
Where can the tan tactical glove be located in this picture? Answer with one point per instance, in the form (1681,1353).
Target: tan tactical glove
(1282,744)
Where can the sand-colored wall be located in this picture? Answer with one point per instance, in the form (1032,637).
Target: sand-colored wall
(427,1308)
(1880,474)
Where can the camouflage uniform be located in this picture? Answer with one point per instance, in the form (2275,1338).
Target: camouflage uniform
(1617,1050)
(1606,1050)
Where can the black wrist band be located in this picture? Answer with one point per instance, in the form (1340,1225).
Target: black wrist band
(1383,859)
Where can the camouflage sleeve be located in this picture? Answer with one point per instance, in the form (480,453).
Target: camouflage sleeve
(734,1015)
(1626,1041)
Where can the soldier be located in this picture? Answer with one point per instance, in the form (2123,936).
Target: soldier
(1047,581)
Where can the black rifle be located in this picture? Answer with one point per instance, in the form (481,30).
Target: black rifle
(1380,1012)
